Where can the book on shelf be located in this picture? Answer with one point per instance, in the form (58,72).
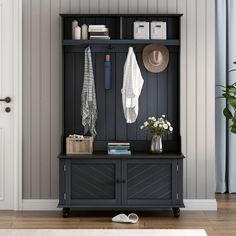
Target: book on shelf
(118,147)
(97,26)
(99,34)
(98,30)
(118,144)
(99,37)
(119,152)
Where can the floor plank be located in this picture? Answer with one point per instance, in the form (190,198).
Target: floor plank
(216,223)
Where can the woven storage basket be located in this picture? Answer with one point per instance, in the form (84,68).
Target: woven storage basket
(76,146)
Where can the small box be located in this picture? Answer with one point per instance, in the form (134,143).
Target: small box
(158,30)
(78,146)
(141,30)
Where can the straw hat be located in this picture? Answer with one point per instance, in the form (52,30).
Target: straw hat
(155,57)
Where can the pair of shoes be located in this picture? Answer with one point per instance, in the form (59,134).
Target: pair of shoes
(122,218)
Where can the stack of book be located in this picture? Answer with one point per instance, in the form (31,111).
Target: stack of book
(98,32)
(119,149)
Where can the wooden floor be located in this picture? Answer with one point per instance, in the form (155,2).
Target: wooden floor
(220,223)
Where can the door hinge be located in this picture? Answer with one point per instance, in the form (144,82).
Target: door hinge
(64,196)
(177,168)
(64,167)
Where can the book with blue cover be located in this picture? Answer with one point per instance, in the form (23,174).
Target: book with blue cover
(119,149)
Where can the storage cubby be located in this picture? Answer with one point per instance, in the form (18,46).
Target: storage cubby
(112,22)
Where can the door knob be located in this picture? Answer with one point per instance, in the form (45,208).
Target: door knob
(7,109)
(7,100)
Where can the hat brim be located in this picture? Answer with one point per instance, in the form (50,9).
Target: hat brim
(146,55)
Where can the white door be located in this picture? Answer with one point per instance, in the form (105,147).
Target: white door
(6,106)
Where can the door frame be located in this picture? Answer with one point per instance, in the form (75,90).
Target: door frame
(17,99)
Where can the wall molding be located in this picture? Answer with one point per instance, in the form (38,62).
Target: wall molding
(51,205)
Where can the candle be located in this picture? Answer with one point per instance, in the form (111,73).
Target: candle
(84,31)
(74,24)
(77,33)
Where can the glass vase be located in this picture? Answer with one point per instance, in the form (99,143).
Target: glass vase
(156,145)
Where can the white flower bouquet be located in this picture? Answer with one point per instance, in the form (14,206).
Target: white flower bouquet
(157,126)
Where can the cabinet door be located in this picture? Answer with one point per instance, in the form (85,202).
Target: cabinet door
(150,182)
(93,181)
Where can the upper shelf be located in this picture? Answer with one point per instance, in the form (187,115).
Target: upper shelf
(168,42)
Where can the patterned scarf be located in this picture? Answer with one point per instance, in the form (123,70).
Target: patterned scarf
(88,96)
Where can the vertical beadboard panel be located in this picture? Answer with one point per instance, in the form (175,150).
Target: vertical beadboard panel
(142,6)
(162,6)
(210,98)
(65,6)
(45,94)
(201,98)
(84,7)
(182,8)
(42,88)
(123,6)
(35,99)
(26,99)
(172,6)
(152,6)
(191,99)
(104,6)
(133,6)
(93,6)
(55,98)
(113,6)
(74,6)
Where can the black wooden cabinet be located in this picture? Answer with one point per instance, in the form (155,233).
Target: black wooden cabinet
(139,182)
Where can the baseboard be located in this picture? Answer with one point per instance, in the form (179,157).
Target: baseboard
(51,205)
(200,205)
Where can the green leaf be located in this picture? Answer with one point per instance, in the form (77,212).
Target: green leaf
(233,128)
(232,101)
(227,113)
(232,90)
(234,62)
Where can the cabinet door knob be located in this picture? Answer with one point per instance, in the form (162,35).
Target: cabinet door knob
(118,181)
(123,181)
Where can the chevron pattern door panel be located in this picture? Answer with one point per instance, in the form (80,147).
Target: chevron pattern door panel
(94,182)
(150,183)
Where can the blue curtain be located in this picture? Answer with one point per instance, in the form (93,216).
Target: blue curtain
(225,56)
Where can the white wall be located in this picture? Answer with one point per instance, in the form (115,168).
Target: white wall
(42,88)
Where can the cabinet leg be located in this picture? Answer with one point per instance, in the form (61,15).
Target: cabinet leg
(66,212)
(176,212)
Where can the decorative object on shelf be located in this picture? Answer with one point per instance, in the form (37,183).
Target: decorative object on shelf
(74,24)
(158,30)
(77,30)
(132,87)
(107,72)
(76,145)
(84,29)
(98,32)
(119,149)
(141,30)
(158,127)
(88,96)
(155,57)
